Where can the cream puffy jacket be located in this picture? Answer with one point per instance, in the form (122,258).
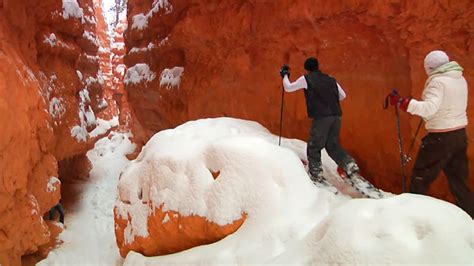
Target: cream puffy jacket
(444,102)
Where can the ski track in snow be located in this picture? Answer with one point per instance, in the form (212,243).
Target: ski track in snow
(89,237)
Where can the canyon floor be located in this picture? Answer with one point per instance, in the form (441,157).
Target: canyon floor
(88,237)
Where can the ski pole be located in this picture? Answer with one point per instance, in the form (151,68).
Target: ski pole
(403,157)
(281,113)
(414,139)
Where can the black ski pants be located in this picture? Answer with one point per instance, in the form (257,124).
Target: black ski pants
(448,152)
(325,134)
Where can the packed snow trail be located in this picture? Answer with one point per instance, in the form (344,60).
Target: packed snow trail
(89,236)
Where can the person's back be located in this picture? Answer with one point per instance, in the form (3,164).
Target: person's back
(322,96)
(452,110)
(444,99)
(443,107)
(322,93)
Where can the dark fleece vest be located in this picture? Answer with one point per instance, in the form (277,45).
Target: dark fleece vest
(322,95)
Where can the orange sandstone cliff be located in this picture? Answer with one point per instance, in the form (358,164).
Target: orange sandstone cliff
(61,83)
(53,106)
(226,55)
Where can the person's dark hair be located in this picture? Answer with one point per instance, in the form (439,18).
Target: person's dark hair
(311,64)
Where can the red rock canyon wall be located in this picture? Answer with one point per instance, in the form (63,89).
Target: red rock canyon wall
(190,59)
(231,52)
(53,106)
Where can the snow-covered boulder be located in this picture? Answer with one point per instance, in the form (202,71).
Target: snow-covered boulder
(230,176)
(197,183)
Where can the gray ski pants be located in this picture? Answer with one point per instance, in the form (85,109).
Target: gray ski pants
(325,134)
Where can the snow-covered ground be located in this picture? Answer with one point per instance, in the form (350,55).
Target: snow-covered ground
(89,237)
(290,221)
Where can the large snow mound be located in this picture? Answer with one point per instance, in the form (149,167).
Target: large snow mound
(405,229)
(290,221)
(256,177)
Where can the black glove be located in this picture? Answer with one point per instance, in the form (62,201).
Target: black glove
(285,70)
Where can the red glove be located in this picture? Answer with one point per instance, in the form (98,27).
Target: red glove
(396,99)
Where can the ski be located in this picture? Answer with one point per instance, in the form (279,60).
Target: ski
(324,184)
(363,186)
(320,182)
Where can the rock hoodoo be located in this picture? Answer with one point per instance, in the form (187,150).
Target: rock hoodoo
(171,199)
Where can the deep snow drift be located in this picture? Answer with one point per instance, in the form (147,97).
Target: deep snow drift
(89,234)
(289,219)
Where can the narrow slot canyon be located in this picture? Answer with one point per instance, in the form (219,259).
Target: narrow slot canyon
(71,53)
(154,123)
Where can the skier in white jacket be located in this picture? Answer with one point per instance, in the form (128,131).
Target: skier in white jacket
(443,107)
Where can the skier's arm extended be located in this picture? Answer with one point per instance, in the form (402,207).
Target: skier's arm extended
(433,96)
(299,84)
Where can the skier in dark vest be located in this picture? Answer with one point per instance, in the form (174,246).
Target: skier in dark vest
(443,107)
(323,94)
